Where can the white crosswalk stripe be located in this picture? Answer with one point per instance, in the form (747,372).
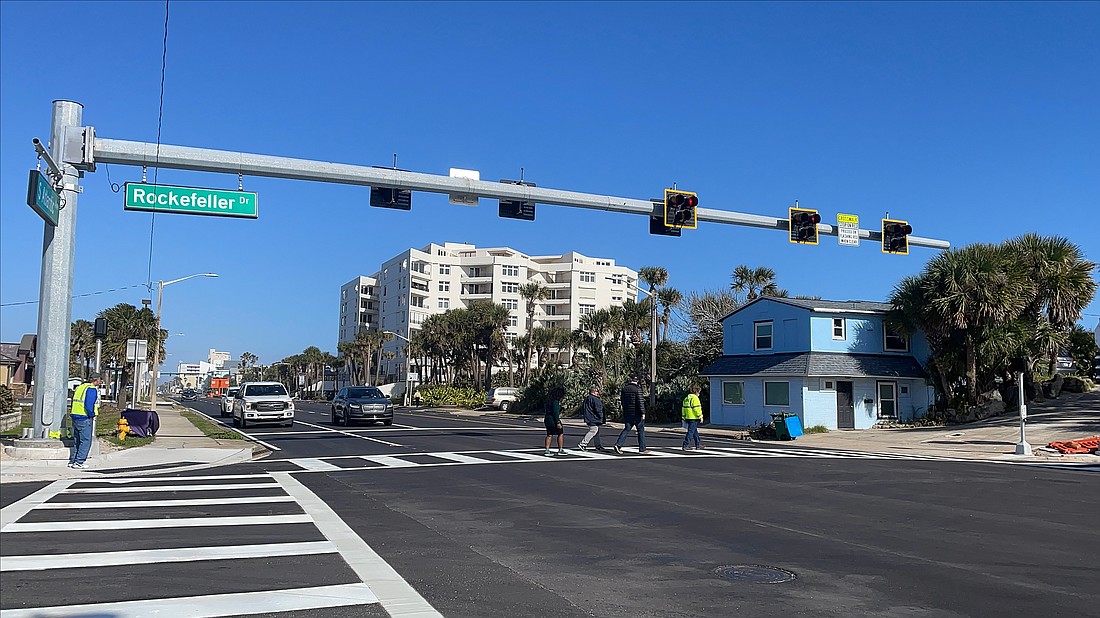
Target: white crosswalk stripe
(290,531)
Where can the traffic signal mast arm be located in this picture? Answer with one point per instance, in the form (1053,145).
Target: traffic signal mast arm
(122,152)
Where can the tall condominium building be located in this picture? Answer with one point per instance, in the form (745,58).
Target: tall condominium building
(418,283)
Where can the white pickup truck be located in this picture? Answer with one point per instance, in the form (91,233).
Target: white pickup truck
(262,402)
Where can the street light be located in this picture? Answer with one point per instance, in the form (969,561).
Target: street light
(156,348)
(407,397)
(652,344)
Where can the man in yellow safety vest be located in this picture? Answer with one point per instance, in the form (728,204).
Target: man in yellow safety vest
(84,410)
(692,412)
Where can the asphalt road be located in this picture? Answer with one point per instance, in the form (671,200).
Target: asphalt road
(468,512)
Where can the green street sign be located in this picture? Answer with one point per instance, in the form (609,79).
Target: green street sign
(42,198)
(190,200)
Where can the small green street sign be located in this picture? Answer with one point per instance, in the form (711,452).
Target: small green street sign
(190,200)
(42,198)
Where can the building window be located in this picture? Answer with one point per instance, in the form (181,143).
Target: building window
(444,269)
(444,303)
(585,309)
(510,303)
(475,271)
(777,393)
(838,329)
(510,271)
(733,393)
(343,294)
(828,385)
(513,320)
(440,252)
(763,335)
(616,279)
(904,390)
(588,277)
(616,299)
(893,341)
(509,287)
(444,286)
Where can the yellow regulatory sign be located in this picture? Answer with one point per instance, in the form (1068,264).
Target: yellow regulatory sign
(843,218)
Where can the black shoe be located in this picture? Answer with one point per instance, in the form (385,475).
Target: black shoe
(618,449)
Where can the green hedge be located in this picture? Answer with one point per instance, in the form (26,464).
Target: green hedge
(441,395)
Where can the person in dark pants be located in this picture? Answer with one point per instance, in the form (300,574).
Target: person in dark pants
(593,417)
(83,413)
(692,413)
(633,415)
(552,419)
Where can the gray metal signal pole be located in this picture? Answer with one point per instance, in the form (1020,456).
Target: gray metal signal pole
(55,307)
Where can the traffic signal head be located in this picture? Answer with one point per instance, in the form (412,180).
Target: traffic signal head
(895,236)
(803,225)
(680,209)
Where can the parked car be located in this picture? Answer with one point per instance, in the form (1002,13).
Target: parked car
(262,402)
(227,400)
(361,403)
(189,395)
(502,397)
(1064,364)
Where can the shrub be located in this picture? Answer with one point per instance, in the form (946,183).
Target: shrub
(7,400)
(816,429)
(443,395)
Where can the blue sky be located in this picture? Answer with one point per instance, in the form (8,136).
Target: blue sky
(976,122)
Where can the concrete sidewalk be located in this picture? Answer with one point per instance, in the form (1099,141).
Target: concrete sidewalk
(178,446)
(1072,416)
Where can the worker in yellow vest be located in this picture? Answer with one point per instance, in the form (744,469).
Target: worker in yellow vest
(84,410)
(692,412)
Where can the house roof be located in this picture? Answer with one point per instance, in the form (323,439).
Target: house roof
(830,306)
(825,364)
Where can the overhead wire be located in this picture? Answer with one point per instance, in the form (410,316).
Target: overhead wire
(160,121)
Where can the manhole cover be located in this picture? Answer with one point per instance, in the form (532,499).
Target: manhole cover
(754,574)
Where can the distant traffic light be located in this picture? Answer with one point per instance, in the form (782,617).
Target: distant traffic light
(517,209)
(895,236)
(391,198)
(803,225)
(680,209)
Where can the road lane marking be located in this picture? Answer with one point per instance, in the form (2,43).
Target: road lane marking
(312,463)
(522,455)
(248,436)
(390,462)
(12,512)
(458,458)
(159,556)
(353,435)
(143,503)
(183,522)
(121,490)
(213,605)
(397,597)
(173,479)
(592,454)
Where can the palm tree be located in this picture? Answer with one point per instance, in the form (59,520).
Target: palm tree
(1063,283)
(668,298)
(490,321)
(975,288)
(532,292)
(81,346)
(755,282)
(128,322)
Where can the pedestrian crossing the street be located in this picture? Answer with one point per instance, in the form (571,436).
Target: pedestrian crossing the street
(187,546)
(460,458)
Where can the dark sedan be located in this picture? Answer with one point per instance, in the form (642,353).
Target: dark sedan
(361,403)
(189,395)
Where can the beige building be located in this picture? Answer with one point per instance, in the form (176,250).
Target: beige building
(418,283)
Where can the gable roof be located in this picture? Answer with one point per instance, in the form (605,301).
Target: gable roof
(830,306)
(824,364)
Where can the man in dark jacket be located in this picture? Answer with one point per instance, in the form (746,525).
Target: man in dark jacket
(633,415)
(593,417)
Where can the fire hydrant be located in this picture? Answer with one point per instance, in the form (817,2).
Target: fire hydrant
(123,428)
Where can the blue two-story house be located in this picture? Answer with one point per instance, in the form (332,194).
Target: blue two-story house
(832,363)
